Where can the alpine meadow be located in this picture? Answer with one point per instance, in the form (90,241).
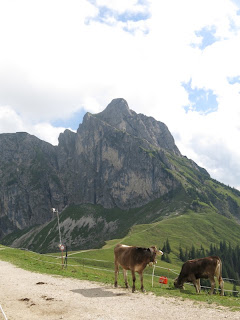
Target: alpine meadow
(119,178)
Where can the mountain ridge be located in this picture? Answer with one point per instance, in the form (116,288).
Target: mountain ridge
(116,159)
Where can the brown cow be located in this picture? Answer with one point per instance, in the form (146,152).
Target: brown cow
(134,259)
(193,270)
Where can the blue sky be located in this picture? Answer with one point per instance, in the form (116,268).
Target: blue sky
(208,37)
(177,61)
(104,13)
(128,15)
(71,122)
(234,80)
(200,100)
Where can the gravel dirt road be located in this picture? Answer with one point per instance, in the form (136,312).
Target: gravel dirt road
(26,295)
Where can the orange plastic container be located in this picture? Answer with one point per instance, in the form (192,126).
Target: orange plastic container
(163,280)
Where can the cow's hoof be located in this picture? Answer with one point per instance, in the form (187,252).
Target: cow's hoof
(115,285)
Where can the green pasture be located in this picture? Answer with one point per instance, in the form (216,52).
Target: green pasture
(198,229)
(97,265)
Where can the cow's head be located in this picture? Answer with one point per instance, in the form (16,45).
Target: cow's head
(178,284)
(154,253)
(159,253)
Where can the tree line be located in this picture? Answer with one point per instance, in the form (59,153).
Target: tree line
(166,250)
(229,255)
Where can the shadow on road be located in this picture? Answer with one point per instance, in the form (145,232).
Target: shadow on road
(98,292)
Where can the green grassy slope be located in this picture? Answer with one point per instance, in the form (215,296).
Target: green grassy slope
(191,228)
(186,230)
(98,264)
(197,198)
(89,226)
(151,224)
(199,186)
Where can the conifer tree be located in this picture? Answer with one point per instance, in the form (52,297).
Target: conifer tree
(168,248)
(166,258)
(164,249)
(186,255)
(181,255)
(235,292)
(202,252)
(192,253)
(229,255)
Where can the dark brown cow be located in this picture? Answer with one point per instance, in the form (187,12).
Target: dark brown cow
(134,259)
(193,270)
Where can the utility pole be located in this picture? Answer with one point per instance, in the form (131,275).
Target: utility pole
(61,246)
(56,211)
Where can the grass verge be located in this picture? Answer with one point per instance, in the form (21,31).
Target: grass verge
(97,265)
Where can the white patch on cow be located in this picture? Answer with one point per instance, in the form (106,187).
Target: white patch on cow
(138,267)
(124,245)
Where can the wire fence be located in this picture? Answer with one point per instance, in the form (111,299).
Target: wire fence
(83,262)
(4,315)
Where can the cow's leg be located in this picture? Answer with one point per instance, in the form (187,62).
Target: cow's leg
(218,274)
(221,284)
(125,277)
(141,279)
(195,282)
(198,285)
(212,281)
(116,274)
(133,279)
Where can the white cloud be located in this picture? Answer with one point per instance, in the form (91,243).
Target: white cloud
(58,58)
(122,6)
(47,132)
(10,121)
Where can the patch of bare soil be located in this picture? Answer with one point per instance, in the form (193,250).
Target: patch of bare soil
(29,296)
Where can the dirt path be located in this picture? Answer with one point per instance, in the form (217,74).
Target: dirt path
(29,296)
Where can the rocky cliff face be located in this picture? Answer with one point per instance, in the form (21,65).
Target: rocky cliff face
(118,115)
(116,158)
(29,181)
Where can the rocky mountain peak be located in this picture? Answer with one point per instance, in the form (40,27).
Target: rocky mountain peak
(115,113)
(118,106)
(116,159)
(120,116)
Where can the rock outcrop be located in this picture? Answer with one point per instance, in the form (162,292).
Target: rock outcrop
(29,181)
(117,158)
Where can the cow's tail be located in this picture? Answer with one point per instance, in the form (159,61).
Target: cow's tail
(219,275)
(218,272)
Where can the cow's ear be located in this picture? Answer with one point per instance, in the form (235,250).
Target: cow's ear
(151,250)
(154,248)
